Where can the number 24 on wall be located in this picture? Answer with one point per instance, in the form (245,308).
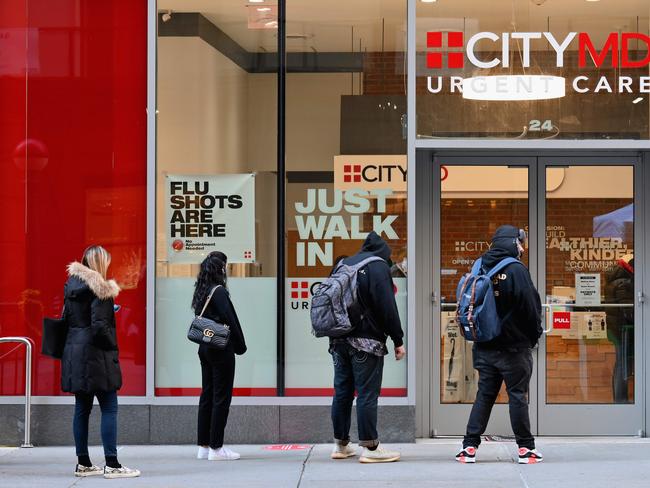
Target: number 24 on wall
(537,125)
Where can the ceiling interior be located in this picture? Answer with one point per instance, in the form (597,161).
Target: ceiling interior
(373,25)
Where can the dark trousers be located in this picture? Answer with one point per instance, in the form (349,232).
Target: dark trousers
(624,365)
(82,408)
(361,371)
(494,367)
(217,377)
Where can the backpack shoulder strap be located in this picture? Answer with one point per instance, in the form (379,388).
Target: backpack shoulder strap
(476,267)
(502,264)
(366,261)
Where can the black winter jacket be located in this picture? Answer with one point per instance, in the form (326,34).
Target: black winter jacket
(90,357)
(518,303)
(619,288)
(380,318)
(221,309)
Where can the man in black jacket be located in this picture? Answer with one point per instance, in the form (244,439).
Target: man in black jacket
(508,357)
(359,356)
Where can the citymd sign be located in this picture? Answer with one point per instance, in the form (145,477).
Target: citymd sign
(370,172)
(450,50)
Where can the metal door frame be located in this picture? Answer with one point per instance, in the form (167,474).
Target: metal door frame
(593,419)
(450,419)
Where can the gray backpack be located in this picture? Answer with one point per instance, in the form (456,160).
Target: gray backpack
(334,298)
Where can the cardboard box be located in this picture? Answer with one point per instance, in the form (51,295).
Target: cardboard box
(453,371)
(471,375)
(459,379)
(562,294)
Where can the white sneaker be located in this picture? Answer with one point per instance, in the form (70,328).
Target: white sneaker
(202,453)
(343,452)
(379,455)
(530,456)
(83,471)
(123,472)
(222,454)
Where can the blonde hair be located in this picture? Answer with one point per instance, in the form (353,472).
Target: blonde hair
(98,259)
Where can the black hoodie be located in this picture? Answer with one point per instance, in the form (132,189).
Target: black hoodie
(380,318)
(517,300)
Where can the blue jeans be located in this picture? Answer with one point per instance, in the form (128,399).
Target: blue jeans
(495,367)
(83,406)
(361,371)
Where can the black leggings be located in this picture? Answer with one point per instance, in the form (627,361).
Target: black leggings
(217,376)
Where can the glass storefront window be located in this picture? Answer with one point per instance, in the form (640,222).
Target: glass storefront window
(346,163)
(217,166)
(533,70)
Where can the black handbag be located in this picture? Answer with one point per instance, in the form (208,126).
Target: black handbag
(55,332)
(208,332)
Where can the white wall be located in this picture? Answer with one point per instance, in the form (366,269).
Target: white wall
(203,128)
(313,119)
(202,104)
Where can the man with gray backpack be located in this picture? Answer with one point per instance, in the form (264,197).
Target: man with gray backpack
(500,311)
(355,307)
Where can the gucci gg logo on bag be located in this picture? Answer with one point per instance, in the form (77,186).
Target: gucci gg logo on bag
(207,331)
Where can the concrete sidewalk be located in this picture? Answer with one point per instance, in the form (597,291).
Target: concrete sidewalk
(570,463)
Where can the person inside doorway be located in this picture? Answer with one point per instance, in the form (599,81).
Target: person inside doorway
(508,357)
(619,289)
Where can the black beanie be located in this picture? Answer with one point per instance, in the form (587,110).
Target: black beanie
(506,238)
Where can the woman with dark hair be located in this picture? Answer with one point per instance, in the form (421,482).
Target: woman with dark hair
(217,366)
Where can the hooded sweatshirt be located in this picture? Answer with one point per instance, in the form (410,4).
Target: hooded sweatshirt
(517,300)
(379,318)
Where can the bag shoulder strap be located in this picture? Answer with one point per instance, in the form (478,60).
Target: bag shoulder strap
(208,300)
(500,265)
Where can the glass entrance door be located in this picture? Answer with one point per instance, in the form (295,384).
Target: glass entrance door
(475,197)
(580,218)
(587,363)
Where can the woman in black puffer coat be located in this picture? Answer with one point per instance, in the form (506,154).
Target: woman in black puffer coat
(90,366)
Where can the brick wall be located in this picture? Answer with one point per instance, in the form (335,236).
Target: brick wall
(383,73)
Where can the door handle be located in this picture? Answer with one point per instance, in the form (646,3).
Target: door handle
(546,306)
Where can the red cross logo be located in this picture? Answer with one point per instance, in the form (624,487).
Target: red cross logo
(248,254)
(299,289)
(454,59)
(352,173)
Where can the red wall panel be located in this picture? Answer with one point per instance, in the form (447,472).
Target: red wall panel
(73,170)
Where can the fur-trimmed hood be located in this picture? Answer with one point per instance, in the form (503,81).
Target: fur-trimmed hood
(104,289)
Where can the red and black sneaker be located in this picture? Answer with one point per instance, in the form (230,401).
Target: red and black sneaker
(529,456)
(467,455)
